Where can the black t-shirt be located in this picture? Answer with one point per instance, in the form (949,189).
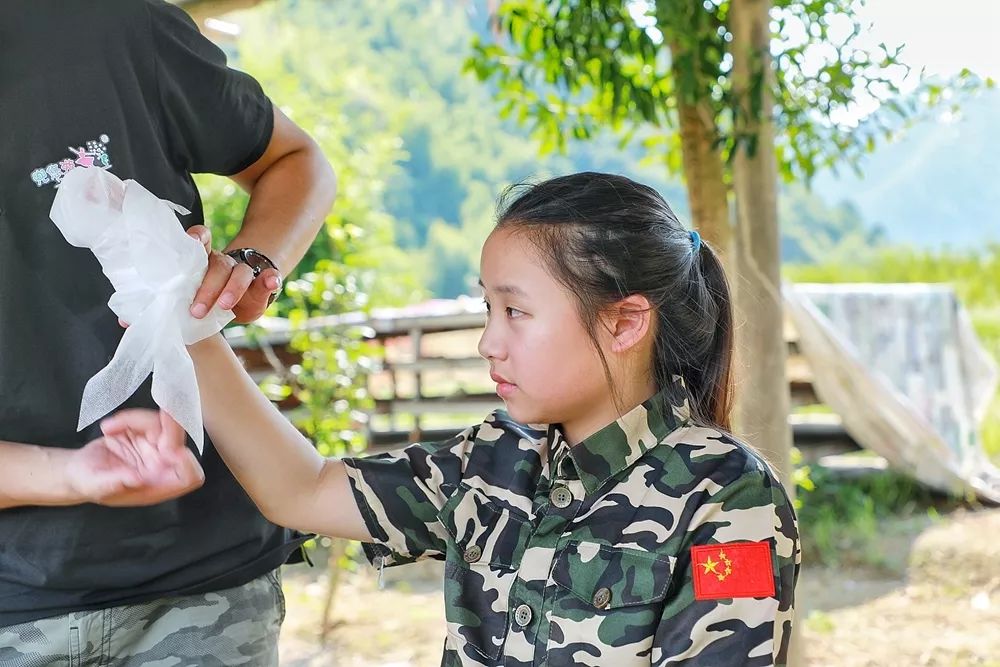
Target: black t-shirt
(130,86)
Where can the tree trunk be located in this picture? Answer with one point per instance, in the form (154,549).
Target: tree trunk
(763,412)
(704,171)
(763,403)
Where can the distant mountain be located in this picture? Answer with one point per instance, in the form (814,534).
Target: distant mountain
(938,186)
(438,152)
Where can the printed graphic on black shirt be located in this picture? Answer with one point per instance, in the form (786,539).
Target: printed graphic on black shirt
(94,154)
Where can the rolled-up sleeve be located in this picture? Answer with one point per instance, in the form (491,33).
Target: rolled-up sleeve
(401,493)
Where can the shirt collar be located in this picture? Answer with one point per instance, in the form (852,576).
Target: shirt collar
(624,441)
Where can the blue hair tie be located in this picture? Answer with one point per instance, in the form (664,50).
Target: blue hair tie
(695,241)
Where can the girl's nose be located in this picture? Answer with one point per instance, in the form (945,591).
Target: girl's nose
(489,343)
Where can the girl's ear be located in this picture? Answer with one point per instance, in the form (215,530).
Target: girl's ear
(629,321)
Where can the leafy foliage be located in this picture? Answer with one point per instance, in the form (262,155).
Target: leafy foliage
(570,67)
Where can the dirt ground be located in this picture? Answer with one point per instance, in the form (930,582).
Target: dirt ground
(935,602)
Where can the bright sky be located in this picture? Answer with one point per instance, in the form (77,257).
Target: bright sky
(940,37)
(943,36)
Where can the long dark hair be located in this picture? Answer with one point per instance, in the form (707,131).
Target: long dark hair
(606,237)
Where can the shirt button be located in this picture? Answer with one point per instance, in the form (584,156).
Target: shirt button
(522,615)
(602,598)
(472,554)
(561,497)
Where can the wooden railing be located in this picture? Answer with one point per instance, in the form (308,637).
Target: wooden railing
(430,371)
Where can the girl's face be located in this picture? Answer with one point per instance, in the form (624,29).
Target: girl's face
(545,365)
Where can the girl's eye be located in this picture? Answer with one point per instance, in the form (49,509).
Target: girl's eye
(514,313)
(487,305)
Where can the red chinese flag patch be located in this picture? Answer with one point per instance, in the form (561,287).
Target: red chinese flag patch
(732,570)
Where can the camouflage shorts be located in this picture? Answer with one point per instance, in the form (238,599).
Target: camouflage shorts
(237,626)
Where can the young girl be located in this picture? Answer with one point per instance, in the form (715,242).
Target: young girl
(607,517)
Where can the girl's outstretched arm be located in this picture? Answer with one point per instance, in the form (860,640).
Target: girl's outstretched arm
(289,481)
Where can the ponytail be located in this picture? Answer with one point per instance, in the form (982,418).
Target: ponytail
(710,382)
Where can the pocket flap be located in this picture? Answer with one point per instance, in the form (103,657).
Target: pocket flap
(483,529)
(612,577)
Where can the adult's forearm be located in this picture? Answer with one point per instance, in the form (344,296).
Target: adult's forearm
(288,204)
(33,475)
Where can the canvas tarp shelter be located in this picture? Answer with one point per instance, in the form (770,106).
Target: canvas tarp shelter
(902,366)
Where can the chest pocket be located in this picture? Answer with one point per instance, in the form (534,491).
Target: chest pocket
(483,557)
(616,591)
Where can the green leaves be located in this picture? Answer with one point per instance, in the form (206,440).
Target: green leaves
(568,67)
(323,89)
(571,68)
(330,380)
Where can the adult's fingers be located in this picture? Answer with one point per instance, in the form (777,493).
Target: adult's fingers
(220,269)
(190,474)
(172,441)
(138,420)
(235,290)
(202,234)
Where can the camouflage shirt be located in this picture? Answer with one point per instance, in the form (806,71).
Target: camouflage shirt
(559,555)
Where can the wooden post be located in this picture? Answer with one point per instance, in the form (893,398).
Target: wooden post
(416,335)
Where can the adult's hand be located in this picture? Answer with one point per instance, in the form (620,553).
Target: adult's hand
(140,460)
(231,284)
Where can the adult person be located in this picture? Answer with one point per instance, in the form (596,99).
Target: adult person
(143,568)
